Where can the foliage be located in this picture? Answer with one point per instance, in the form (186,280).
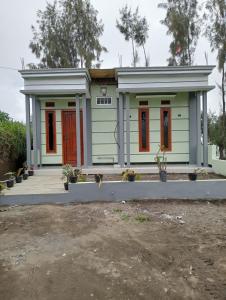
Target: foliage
(2,187)
(82,178)
(10,175)
(216,136)
(182,20)
(200,171)
(127,173)
(134,28)
(161,159)
(67,172)
(141,218)
(215,31)
(67,35)
(12,139)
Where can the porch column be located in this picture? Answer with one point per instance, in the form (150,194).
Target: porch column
(85,144)
(121,131)
(28,129)
(34,130)
(198,112)
(78,141)
(205,129)
(128,130)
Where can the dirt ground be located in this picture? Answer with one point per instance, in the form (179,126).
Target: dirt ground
(145,250)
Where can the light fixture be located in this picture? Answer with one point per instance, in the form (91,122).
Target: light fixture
(103,91)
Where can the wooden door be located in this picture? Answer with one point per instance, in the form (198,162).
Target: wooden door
(69,137)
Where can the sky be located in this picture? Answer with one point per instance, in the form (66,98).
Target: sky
(17,16)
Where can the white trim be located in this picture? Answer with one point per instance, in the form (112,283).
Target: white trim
(103,97)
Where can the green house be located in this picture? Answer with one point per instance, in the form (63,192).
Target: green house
(116,116)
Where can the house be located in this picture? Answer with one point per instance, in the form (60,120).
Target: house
(116,116)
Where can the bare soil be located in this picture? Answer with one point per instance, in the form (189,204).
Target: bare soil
(146,250)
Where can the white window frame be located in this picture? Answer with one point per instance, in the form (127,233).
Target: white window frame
(103,97)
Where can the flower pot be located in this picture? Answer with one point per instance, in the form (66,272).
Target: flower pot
(30,172)
(163,176)
(73,179)
(10,183)
(25,176)
(192,176)
(131,177)
(19,179)
(66,187)
(98,178)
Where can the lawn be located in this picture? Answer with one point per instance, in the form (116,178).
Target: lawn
(146,250)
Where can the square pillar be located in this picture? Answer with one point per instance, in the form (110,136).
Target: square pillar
(205,129)
(78,135)
(85,140)
(128,130)
(198,117)
(34,130)
(121,158)
(28,129)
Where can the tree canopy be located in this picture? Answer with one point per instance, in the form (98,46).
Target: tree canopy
(67,35)
(182,20)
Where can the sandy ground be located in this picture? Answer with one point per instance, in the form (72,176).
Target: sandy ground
(148,250)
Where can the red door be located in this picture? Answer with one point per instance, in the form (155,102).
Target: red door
(69,137)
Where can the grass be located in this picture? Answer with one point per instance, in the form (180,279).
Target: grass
(141,218)
(117,210)
(125,217)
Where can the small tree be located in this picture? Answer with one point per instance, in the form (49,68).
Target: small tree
(134,28)
(215,17)
(67,35)
(183,24)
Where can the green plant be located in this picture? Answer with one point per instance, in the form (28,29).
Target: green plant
(138,177)
(2,187)
(82,178)
(200,171)
(161,159)
(127,173)
(125,217)
(141,218)
(77,172)
(67,171)
(117,210)
(10,175)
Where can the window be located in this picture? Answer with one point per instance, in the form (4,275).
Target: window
(104,100)
(166,140)
(50,104)
(50,132)
(144,144)
(165,102)
(71,104)
(143,103)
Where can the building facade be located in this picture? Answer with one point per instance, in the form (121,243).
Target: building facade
(116,116)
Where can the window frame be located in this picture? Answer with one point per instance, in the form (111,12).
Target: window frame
(147,110)
(47,112)
(103,97)
(168,109)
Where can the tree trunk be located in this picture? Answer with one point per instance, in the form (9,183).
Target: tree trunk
(134,59)
(145,56)
(223,107)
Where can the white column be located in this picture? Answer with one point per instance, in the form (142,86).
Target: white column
(198,111)
(28,129)
(121,131)
(85,147)
(78,137)
(34,127)
(205,130)
(128,130)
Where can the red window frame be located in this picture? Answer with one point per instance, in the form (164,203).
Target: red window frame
(141,148)
(48,150)
(169,148)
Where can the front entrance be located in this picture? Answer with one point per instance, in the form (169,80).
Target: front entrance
(69,137)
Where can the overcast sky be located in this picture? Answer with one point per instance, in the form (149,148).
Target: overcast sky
(16,17)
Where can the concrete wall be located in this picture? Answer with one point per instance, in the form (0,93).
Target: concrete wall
(180,128)
(219,166)
(104,122)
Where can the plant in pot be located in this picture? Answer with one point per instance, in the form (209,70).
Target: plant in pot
(24,172)
(197,171)
(67,171)
(99,179)
(31,171)
(129,175)
(75,175)
(10,180)
(161,161)
(18,175)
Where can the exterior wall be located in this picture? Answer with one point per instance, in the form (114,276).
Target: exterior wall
(104,127)
(180,129)
(219,166)
(60,104)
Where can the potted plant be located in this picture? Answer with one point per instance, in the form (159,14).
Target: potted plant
(24,172)
(73,178)
(67,172)
(161,163)
(18,175)
(99,179)
(193,176)
(129,175)
(10,180)
(31,171)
